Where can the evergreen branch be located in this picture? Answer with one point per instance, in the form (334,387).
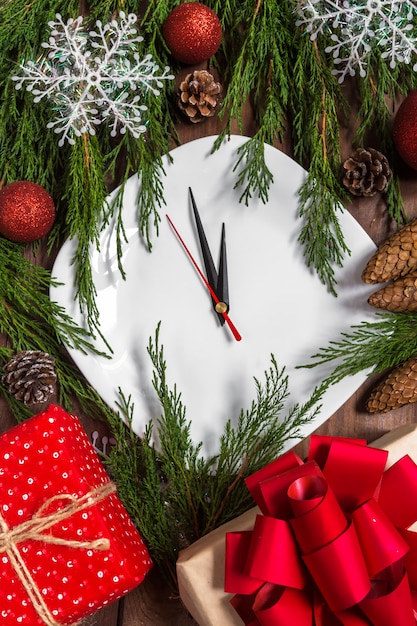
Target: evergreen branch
(316,130)
(151,197)
(255,172)
(152,22)
(316,103)
(27,315)
(259,437)
(86,206)
(321,235)
(181,496)
(370,346)
(393,195)
(265,51)
(186,471)
(242,81)
(136,468)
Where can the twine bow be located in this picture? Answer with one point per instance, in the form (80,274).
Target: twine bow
(34,530)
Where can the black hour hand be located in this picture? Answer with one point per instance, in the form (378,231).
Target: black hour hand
(217,281)
(222,279)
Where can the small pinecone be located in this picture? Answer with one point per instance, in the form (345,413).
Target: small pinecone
(395,257)
(366,172)
(398,296)
(30,376)
(398,388)
(199,95)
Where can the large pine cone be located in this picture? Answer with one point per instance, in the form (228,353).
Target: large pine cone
(398,388)
(30,376)
(396,257)
(398,296)
(366,172)
(199,95)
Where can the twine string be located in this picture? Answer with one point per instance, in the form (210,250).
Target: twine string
(34,529)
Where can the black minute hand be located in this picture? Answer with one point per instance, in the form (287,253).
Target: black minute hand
(218,283)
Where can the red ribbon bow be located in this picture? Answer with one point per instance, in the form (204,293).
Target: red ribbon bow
(332,546)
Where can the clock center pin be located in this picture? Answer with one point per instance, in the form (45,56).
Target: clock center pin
(221,307)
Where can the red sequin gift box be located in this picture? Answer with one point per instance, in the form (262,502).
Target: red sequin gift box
(67,545)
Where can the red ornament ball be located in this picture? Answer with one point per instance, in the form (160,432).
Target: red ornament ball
(405,130)
(27,212)
(192,32)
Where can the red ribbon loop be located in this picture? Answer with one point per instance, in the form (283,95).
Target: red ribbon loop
(333,545)
(272,539)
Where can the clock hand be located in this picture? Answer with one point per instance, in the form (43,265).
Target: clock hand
(227,319)
(222,280)
(218,282)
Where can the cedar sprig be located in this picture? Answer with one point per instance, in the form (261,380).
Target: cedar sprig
(318,100)
(135,466)
(372,347)
(264,51)
(173,493)
(85,208)
(299,82)
(27,315)
(254,176)
(259,437)
(183,466)
(321,235)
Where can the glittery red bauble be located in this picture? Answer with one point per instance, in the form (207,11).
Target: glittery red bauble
(405,130)
(27,212)
(192,32)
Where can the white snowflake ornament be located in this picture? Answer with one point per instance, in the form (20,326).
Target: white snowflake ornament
(356,27)
(93,77)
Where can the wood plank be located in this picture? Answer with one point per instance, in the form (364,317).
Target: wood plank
(153,603)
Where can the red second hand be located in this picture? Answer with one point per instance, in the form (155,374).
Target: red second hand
(227,319)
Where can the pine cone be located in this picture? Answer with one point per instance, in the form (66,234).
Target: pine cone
(30,376)
(366,172)
(396,257)
(199,95)
(398,296)
(398,388)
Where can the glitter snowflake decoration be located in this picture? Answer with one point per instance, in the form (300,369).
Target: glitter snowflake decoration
(357,27)
(93,77)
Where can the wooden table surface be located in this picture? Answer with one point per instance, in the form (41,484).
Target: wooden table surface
(152,603)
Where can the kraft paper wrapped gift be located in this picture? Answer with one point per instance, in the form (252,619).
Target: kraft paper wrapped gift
(200,567)
(200,572)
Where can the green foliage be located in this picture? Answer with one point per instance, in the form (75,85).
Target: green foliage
(174,494)
(259,65)
(75,176)
(267,62)
(288,80)
(321,235)
(370,346)
(31,321)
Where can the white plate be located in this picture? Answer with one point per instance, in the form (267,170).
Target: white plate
(278,305)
